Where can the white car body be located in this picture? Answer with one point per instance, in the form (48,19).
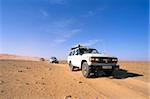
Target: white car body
(76,60)
(91,62)
(53,60)
(50,60)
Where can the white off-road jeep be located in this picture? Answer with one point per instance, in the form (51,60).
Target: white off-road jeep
(91,62)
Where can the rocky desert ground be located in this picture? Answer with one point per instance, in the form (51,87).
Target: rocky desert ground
(21,78)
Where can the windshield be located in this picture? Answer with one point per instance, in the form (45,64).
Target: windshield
(85,51)
(53,57)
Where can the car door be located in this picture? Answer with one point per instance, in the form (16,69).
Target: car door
(70,57)
(77,58)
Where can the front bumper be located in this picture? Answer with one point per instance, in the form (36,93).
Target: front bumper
(105,67)
(55,61)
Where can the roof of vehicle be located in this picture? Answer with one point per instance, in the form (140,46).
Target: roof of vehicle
(53,57)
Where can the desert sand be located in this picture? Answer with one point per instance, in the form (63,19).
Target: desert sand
(27,79)
(17,57)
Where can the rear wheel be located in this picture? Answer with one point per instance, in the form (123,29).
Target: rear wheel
(71,66)
(85,70)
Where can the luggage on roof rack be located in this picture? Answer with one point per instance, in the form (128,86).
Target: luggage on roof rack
(78,46)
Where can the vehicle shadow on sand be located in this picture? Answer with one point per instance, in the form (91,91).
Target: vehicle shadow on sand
(122,74)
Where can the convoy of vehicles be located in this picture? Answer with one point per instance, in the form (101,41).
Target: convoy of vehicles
(91,62)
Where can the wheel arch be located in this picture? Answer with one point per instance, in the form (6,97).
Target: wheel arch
(82,63)
(69,62)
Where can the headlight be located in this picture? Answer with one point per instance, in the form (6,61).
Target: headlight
(92,59)
(114,60)
(95,59)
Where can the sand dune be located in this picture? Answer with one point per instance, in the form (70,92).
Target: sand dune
(17,57)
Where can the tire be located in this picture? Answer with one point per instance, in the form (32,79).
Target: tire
(71,66)
(85,70)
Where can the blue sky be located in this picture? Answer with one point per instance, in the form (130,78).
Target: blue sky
(48,28)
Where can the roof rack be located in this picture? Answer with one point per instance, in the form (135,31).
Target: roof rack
(78,46)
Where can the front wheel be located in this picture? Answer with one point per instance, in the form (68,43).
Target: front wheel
(85,70)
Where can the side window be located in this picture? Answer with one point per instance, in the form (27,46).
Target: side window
(82,51)
(79,53)
(70,53)
(73,52)
(76,53)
